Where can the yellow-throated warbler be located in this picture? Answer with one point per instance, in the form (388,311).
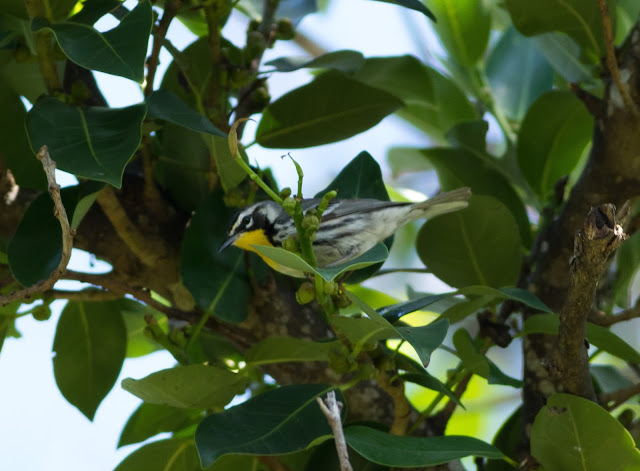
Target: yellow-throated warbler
(348,227)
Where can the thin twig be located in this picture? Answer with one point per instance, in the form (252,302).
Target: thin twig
(86,295)
(599,318)
(612,61)
(618,397)
(170,11)
(67,234)
(330,407)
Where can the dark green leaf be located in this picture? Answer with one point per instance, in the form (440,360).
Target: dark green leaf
(609,378)
(120,51)
(14,143)
(396,311)
(463,28)
(471,135)
(479,245)
(331,108)
(163,104)
(508,440)
(598,336)
(282,421)
(563,53)
(191,386)
(517,73)
(286,349)
(479,364)
(516,294)
(89,348)
(97,143)
(434,103)
(174,454)
(412,5)
(133,313)
(400,451)
(217,281)
(149,420)
(580,19)
(345,61)
(425,380)
(458,167)
(195,57)
(372,256)
(553,137)
(571,432)
(93,10)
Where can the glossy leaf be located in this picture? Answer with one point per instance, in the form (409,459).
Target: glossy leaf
(97,142)
(93,10)
(434,103)
(517,73)
(120,51)
(403,451)
(515,294)
(217,281)
(373,256)
(174,454)
(580,19)
(563,53)
(553,137)
(148,420)
(428,381)
(89,348)
(286,349)
(345,61)
(479,245)
(331,108)
(412,5)
(163,104)
(478,363)
(396,311)
(463,28)
(458,167)
(191,386)
(598,336)
(281,421)
(571,432)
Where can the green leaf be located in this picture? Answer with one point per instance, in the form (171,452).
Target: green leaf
(331,108)
(515,294)
(627,263)
(191,386)
(517,73)
(563,53)
(412,5)
(134,313)
(479,245)
(14,143)
(571,432)
(372,256)
(174,454)
(553,137)
(434,103)
(428,381)
(35,250)
(580,19)
(598,336)
(464,309)
(458,167)
(609,378)
(93,10)
(163,104)
(402,451)
(396,311)
(281,421)
(362,330)
(345,61)
(286,349)
(508,439)
(217,281)
(230,173)
(463,28)
(97,143)
(424,339)
(478,363)
(89,348)
(149,420)
(406,159)
(360,178)
(120,51)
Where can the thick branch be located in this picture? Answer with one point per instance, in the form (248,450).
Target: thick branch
(594,243)
(67,234)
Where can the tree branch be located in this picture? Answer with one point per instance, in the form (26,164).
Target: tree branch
(67,234)
(599,237)
(600,318)
(331,409)
(171,8)
(618,397)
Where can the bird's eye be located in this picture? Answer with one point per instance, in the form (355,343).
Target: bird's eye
(246,220)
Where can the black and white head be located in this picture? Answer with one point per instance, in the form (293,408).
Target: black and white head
(254,221)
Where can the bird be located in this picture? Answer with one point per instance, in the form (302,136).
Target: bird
(348,227)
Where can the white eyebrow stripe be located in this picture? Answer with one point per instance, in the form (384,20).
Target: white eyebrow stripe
(239,219)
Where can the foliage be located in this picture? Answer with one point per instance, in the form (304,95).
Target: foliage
(496,110)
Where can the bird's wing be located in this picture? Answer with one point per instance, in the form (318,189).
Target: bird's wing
(341,208)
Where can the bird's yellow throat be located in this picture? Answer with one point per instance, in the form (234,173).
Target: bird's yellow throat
(257,237)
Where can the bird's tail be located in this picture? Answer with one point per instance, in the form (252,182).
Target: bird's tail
(441,204)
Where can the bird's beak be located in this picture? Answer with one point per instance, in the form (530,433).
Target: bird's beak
(228,242)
